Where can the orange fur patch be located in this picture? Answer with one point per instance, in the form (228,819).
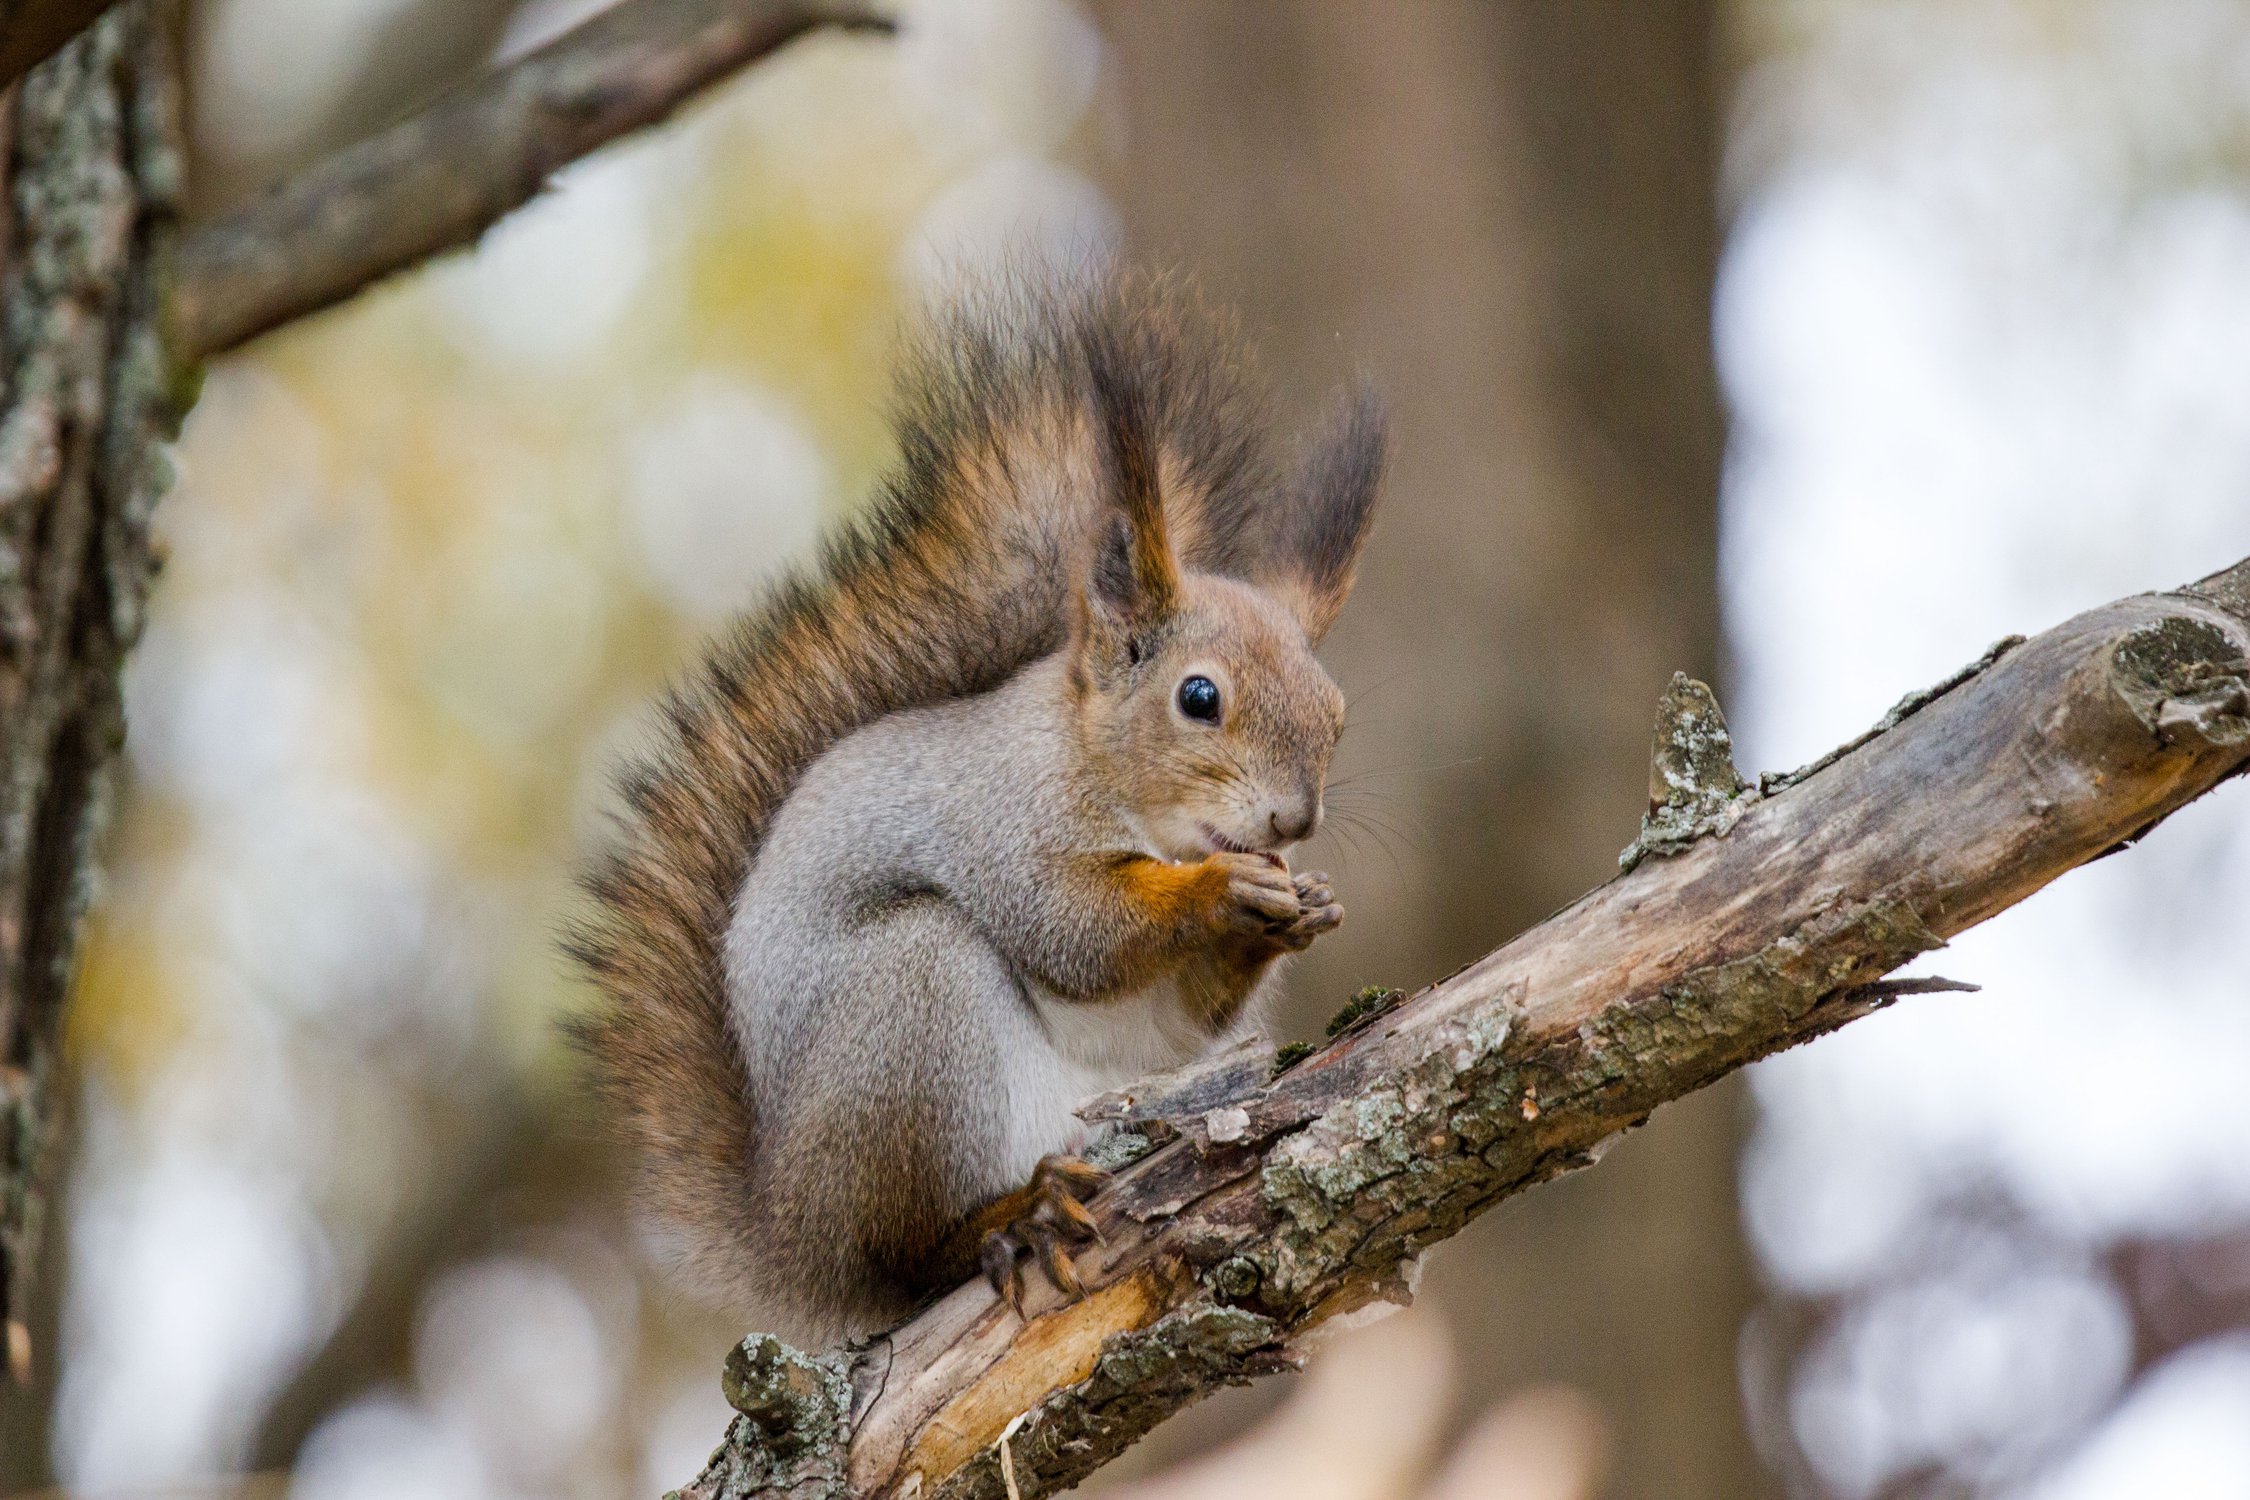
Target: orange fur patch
(1170,895)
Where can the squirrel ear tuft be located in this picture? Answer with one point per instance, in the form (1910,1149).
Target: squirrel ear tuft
(1134,580)
(1121,592)
(1322,517)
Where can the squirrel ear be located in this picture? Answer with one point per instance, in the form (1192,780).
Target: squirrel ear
(1320,521)
(1117,611)
(1134,580)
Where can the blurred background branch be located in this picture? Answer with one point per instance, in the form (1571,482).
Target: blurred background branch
(32,30)
(410,53)
(437,181)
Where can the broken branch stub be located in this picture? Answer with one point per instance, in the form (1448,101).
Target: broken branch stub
(1694,789)
(1275,1200)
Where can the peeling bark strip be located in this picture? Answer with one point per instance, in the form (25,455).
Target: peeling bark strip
(92,175)
(1278,1200)
(437,181)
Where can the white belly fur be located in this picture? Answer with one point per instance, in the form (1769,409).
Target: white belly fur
(1091,1048)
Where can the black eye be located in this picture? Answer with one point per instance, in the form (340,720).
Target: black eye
(1199,698)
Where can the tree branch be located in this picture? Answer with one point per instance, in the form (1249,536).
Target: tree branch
(437,181)
(1751,918)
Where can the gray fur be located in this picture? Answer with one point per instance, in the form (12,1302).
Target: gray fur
(926,850)
(914,993)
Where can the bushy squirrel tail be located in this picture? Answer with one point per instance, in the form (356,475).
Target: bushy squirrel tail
(954,578)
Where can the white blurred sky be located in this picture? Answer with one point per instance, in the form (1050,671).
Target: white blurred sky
(1985,324)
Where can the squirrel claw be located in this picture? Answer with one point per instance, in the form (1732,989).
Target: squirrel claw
(1080,1177)
(1298,935)
(1056,1262)
(1073,1222)
(1048,1216)
(1001,1268)
(1317,913)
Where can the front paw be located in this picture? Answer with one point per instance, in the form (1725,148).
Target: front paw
(1317,912)
(1261,895)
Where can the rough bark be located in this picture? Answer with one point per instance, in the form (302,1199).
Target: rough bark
(1283,1196)
(91,392)
(435,182)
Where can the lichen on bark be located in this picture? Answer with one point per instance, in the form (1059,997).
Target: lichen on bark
(2182,675)
(91,394)
(1694,790)
(1141,1377)
(1405,1162)
(792,1437)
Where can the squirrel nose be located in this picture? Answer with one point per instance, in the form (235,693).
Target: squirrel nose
(1294,825)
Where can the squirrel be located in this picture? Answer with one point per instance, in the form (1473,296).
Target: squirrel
(983,814)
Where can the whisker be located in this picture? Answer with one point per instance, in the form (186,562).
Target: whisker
(1350,797)
(1372,772)
(1350,827)
(1367,804)
(1404,826)
(1390,834)
(1343,830)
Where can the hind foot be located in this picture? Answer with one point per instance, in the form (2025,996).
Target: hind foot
(1042,1220)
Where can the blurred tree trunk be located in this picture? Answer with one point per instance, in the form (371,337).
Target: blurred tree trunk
(1507,213)
(92,175)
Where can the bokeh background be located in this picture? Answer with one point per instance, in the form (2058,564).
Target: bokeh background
(1809,345)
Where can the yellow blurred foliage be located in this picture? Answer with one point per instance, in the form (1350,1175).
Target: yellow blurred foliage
(448,517)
